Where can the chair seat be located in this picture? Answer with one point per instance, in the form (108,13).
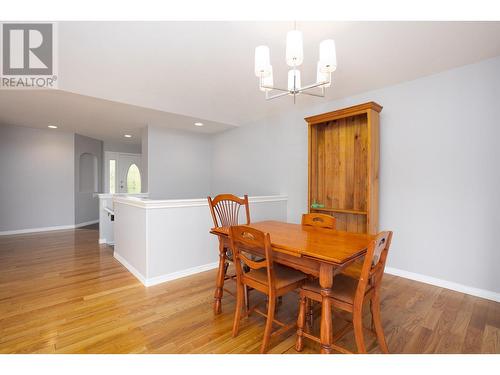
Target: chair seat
(344,288)
(284,276)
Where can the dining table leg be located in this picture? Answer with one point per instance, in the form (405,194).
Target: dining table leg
(221,274)
(326,283)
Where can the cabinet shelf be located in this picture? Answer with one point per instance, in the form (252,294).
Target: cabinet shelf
(340,210)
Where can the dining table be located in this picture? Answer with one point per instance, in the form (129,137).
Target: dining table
(318,252)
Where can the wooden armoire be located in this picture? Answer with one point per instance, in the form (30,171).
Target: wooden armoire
(344,166)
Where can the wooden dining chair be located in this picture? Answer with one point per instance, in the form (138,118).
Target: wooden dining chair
(349,294)
(318,220)
(264,276)
(225,210)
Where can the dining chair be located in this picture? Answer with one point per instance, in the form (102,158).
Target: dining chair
(318,220)
(225,210)
(273,280)
(349,294)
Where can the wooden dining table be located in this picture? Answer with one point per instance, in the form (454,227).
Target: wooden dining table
(317,252)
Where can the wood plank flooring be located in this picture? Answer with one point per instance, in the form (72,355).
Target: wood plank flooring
(61,292)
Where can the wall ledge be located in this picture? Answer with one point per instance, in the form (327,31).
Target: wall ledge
(198,202)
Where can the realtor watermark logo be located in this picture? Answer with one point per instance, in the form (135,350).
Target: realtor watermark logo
(28,56)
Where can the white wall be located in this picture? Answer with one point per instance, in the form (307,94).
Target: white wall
(37,185)
(439,177)
(178,164)
(154,242)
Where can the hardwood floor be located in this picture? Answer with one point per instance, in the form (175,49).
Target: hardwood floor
(60,292)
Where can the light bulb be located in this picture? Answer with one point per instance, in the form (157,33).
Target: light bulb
(267,81)
(328,56)
(262,61)
(294,50)
(323,77)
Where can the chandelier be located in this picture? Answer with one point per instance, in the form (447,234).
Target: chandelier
(294,57)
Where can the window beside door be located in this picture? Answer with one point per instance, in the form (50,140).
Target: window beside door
(112,176)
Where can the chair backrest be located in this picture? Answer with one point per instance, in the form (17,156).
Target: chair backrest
(318,220)
(245,239)
(374,264)
(225,209)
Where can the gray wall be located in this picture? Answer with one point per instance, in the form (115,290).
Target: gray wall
(439,178)
(178,164)
(37,185)
(86,206)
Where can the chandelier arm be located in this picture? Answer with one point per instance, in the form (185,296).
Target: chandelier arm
(269,97)
(317,84)
(312,94)
(274,88)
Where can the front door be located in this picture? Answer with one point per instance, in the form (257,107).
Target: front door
(128,174)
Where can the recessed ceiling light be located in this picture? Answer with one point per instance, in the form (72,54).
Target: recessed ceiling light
(52,126)
(198,124)
(127,136)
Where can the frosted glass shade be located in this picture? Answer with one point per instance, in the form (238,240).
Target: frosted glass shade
(322,76)
(327,56)
(294,50)
(267,81)
(291,74)
(262,61)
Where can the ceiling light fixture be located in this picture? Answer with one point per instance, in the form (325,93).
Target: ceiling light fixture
(198,124)
(52,126)
(127,136)
(294,57)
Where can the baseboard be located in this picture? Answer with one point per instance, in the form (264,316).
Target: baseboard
(179,274)
(47,229)
(79,225)
(106,242)
(163,278)
(487,294)
(129,267)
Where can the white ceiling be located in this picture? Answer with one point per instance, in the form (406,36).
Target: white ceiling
(204,70)
(97,118)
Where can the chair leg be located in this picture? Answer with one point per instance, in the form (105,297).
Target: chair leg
(247,299)
(375,310)
(239,305)
(310,315)
(357,321)
(269,324)
(299,343)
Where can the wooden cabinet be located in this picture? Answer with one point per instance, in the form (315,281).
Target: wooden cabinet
(344,166)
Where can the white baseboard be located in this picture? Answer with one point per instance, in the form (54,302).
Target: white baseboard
(47,229)
(79,225)
(179,274)
(163,278)
(487,294)
(105,241)
(128,266)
